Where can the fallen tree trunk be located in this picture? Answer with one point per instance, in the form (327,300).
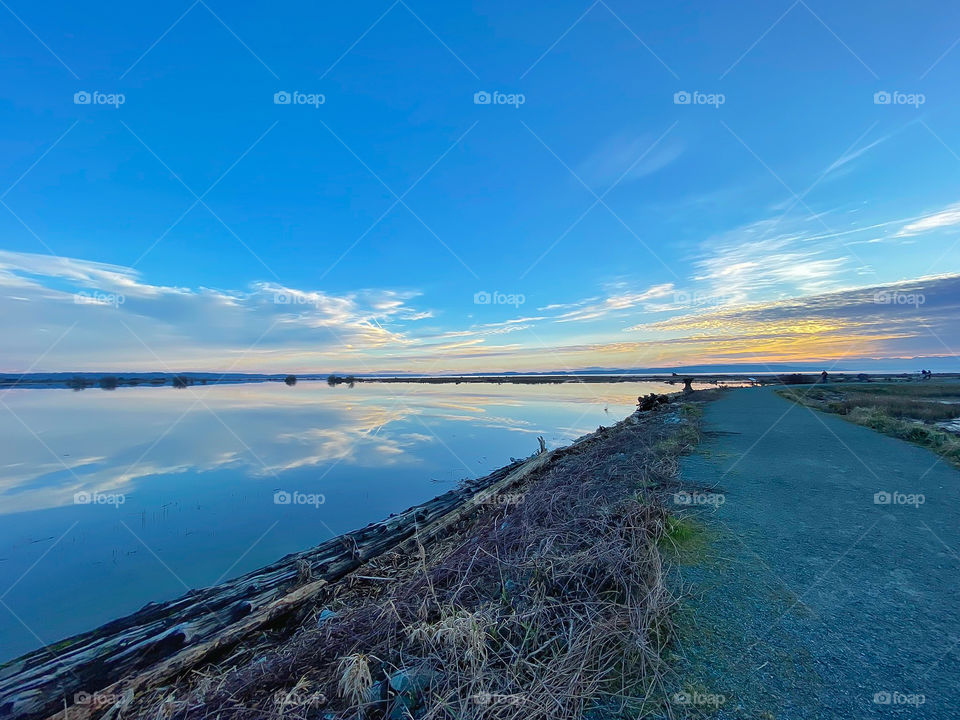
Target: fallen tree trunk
(163,640)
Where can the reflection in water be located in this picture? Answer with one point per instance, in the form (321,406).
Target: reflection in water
(112,500)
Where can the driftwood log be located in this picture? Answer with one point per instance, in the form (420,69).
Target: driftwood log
(163,640)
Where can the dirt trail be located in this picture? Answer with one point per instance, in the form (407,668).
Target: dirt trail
(812,600)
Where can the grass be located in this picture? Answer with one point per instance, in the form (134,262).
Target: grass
(685,540)
(905,410)
(553,608)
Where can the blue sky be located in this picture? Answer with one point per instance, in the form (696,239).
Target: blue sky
(199,225)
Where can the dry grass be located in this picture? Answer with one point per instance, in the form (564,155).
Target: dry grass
(918,401)
(552,608)
(354,676)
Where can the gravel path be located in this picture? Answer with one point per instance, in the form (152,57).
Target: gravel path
(811,600)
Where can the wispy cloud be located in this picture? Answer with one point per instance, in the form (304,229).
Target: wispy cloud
(948,217)
(751,263)
(626,158)
(854,153)
(599,307)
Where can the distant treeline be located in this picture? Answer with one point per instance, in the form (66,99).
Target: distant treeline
(82,381)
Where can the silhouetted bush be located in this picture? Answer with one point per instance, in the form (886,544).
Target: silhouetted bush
(109,382)
(290,380)
(333,380)
(180,381)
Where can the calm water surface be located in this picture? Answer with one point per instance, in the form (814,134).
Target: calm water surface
(110,500)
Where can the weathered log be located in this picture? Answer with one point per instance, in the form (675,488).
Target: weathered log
(163,640)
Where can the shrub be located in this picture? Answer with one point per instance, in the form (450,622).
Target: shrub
(77,383)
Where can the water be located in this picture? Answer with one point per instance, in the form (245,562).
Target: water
(110,500)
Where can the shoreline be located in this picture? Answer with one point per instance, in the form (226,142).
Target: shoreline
(113,381)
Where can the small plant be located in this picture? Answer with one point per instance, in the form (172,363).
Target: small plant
(460,632)
(689,410)
(290,380)
(355,678)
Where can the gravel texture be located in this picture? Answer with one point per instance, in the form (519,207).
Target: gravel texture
(805,598)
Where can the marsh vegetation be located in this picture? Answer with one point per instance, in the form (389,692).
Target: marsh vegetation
(912,411)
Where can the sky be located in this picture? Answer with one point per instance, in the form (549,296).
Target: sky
(418,186)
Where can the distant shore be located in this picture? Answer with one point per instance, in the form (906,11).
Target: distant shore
(112,381)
